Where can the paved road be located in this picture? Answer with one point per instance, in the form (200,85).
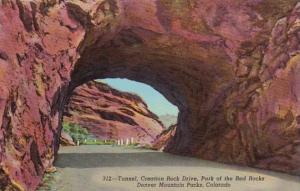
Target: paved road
(84,168)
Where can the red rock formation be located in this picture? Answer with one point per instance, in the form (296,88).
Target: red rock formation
(66,139)
(38,42)
(164,138)
(110,114)
(231,67)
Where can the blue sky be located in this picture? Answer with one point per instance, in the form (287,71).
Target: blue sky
(156,102)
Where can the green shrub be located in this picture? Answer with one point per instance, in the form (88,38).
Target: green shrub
(77,132)
(99,142)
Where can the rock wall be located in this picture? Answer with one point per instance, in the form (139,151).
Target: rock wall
(231,67)
(38,42)
(164,138)
(110,114)
(66,139)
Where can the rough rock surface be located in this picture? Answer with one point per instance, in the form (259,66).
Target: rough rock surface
(164,138)
(110,114)
(232,67)
(38,48)
(66,139)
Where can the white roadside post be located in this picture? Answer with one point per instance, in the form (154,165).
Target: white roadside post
(127,141)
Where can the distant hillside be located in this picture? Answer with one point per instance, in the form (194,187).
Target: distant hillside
(111,114)
(168,120)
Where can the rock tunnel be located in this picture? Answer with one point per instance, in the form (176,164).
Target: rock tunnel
(186,82)
(231,67)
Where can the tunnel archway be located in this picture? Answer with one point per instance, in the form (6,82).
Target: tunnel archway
(192,83)
(214,78)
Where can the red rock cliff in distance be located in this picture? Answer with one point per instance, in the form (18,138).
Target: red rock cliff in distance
(232,67)
(111,114)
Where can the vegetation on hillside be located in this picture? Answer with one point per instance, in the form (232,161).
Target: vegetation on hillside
(81,134)
(77,132)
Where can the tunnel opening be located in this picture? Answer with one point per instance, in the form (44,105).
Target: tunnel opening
(117,111)
(194,78)
(116,118)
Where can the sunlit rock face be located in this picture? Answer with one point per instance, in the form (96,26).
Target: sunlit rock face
(231,67)
(109,114)
(66,139)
